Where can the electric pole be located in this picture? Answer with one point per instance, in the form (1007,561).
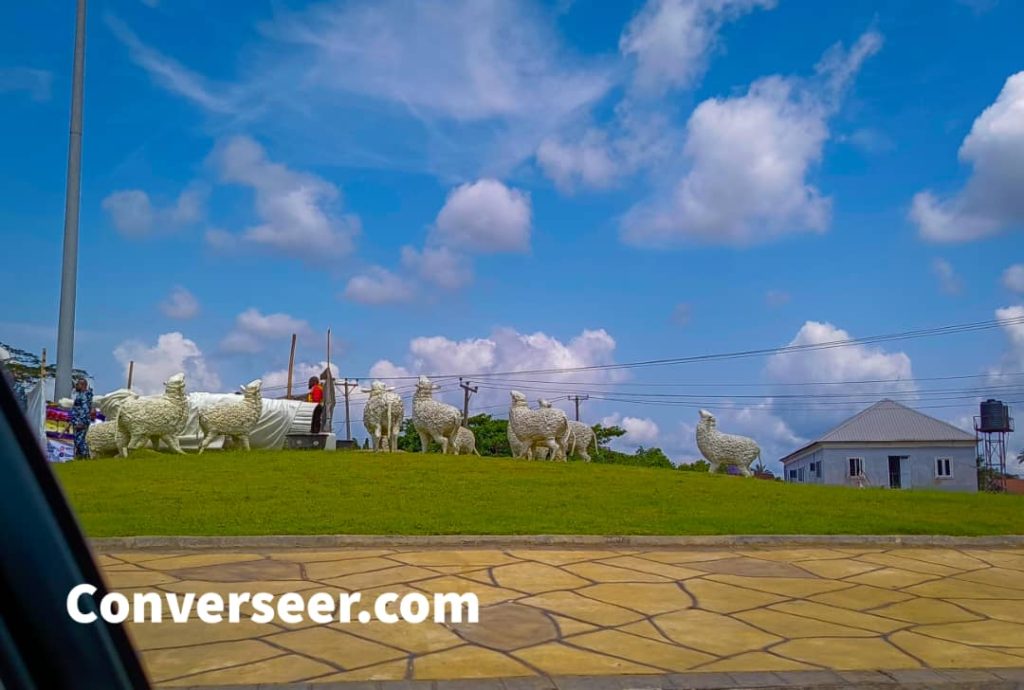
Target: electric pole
(576,399)
(69,266)
(349,385)
(467,390)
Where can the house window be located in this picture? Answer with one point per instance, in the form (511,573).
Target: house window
(792,475)
(800,474)
(943,468)
(814,469)
(856,467)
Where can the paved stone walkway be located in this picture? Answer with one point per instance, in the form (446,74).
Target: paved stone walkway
(566,612)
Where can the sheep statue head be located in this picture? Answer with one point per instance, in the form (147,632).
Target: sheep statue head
(518,399)
(175,385)
(708,419)
(252,388)
(425,387)
(543,403)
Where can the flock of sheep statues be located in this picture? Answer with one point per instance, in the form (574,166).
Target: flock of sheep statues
(532,433)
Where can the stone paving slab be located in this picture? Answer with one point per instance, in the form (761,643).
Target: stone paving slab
(868,615)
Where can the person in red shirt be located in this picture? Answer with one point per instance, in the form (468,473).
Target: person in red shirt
(316,395)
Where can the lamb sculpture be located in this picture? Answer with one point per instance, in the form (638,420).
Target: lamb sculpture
(234,419)
(724,449)
(160,417)
(383,415)
(465,442)
(546,426)
(433,419)
(102,436)
(580,436)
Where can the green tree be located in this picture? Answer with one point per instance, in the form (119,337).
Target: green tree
(701,465)
(23,368)
(491,435)
(606,433)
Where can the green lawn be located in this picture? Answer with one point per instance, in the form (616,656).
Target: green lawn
(296,492)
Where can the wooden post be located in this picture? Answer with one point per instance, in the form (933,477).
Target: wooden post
(131,373)
(291,368)
(466,391)
(42,366)
(349,385)
(577,399)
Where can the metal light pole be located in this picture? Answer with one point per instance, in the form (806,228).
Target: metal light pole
(69,267)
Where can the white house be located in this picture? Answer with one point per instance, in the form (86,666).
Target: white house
(889,445)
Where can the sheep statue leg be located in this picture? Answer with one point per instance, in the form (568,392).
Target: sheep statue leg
(172,442)
(553,447)
(244,441)
(376,438)
(207,440)
(393,438)
(424,441)
(712,466)
(443,441)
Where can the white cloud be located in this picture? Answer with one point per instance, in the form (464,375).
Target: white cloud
(171,75)
(1013,278)
(1012,361)
(640,431)
(464,60)
(888,372)
(588,162)
(438,266)
(133,214)
(993,198)
(670,40)
(508,350)
(378,286)
(485,217)
(253,330)
(180,304)
(36,82)
(949,281)
(295,208)
(749,158)
(171,354)
(465,87)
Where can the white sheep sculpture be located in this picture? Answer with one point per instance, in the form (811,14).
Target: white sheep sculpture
(724,449)
(102,436)
(546,426)
(383,415)
(156,418)
(234,419)
(518,447)
(434,420)
(579,437)
(465,442)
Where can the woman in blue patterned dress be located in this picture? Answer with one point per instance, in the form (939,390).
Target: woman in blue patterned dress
(81,416)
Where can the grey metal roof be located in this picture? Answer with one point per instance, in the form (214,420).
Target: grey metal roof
(887,421)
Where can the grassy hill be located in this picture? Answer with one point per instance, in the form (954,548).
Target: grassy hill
(296,492)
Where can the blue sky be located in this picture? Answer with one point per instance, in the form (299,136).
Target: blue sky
(473,187)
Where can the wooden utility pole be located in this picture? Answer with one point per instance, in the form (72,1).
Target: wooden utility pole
(467,390)
(131,373)
(576,399)
(291,368)
(349,385)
